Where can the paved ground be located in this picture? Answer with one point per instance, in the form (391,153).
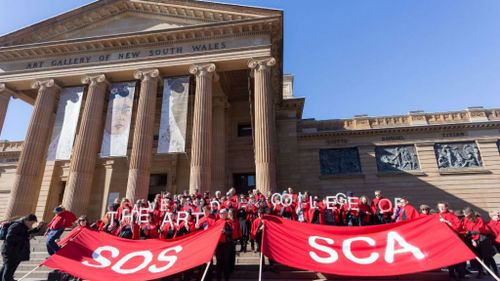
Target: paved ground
(246,272)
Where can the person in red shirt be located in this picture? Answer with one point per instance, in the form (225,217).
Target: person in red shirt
(456,271)
(408,212)
(425,210)
(83,223)
(316,213)
(381,208)
(56,227)
(494,226)
(223,250)
(364,213)
(256,231)
(477,236)
(448,217)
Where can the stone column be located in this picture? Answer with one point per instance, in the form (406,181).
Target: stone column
(5,94)
(201,144)
(81,172)
(24,193)
(265,143)
(219,146)
(142,147)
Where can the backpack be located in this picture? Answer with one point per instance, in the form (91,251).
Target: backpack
(4,229)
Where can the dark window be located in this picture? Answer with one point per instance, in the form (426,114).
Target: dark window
(157,185)
(396,158)
(457,155)
(339,161)
(244,130)
(243,182)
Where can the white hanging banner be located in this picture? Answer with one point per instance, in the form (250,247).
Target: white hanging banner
(118,118)
(173,122)
(63,134)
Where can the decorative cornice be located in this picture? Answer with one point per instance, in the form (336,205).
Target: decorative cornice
(430,128)
(138,39)
(204,70)
(102,10)
(45,84)
(95,80)
(147,74)
(5,91)
(262,64)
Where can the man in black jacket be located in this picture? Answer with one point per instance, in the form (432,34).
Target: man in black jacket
(16,247)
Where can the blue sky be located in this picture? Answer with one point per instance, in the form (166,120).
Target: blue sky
(381,57)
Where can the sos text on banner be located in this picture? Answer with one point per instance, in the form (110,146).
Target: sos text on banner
(98,256)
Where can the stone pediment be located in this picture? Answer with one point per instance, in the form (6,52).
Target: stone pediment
(118,17)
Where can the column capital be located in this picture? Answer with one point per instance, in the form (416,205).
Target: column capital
(95,79)
(204,70)
(260,64)
(47,83)
(147,74)
(6,91)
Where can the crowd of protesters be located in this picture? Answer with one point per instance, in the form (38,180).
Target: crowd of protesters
(243,216)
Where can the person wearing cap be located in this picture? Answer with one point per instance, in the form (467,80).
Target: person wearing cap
(425,210)
(16,247)
(56,226)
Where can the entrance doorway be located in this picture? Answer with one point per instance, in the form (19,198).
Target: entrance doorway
(157,185)
(243,182)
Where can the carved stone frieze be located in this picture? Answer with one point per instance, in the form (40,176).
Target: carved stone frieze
(339,161)
(396,158)
(457,155)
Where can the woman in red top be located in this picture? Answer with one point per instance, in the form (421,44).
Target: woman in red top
(494,226)
(364,213)
(477,234)
(83,223)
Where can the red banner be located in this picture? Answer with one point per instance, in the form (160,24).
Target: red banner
(98,256)
(382,250)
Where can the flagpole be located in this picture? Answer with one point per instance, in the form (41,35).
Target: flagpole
(487,269)
(261,252)
(206,270)
(260,265)
(27,274)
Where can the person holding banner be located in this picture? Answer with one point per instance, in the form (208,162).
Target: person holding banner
(477,235)
(223,250)
(407,211)
(56,226)
(381,208)
(16,247)
(494,226)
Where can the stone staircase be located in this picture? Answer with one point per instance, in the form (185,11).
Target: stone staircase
(247,268)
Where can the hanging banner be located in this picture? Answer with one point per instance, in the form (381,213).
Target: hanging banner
(173,122)
(63,134)
(99,256)
(118,118)
(382,250)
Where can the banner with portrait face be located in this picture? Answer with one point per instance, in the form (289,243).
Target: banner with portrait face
(118,118)
(63,134)
(173,122)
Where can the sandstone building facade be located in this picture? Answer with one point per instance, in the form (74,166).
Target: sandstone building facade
(242,125)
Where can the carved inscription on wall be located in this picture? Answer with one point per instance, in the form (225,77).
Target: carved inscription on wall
(396,158)
(457,155)
(339,161)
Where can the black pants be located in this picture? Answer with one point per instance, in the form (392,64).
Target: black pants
(223,255)
(9,268)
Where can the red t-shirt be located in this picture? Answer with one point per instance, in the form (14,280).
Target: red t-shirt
(62,220)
